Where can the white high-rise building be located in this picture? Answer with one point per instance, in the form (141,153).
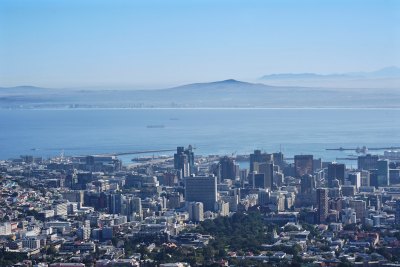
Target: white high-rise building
(196,211)
(365,177)
(5,229)
(222,208)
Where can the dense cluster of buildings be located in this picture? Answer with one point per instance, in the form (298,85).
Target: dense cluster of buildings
(67,211)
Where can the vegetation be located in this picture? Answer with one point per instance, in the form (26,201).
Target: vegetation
(9,258)
(245,232)
(242,233)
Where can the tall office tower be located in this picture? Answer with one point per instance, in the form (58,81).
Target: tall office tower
(196,211)
(133,207)
(355,179)
(237,171)
(181,164)
(169,179)
(279,159)
(259,157)
(365,178)
(335,171)
(227,168)
(317,164)
(263,197)
(222,208)
(201,189)
(279,178)
(360,207)
(383,172)
(397,212)
(115,203)
(190,154)
(373,177)
(303,164)
(322,205)
(83,179)
(258,180)
(367,162)
(243,175)
(184,160)
(268,170)
(71,180)
(307,184)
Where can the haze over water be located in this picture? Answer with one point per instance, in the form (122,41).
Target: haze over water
(212,131)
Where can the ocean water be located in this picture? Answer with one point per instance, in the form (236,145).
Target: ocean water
(212,131)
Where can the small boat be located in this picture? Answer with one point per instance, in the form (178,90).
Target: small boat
(156,126)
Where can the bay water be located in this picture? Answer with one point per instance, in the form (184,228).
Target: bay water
(212,131)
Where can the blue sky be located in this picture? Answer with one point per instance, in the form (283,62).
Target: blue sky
(125,43)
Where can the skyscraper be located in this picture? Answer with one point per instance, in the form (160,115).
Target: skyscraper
(373,177)
(201,189)
(227,168)
(355,179)
(268,170)
(322,205)
(360,208)
(181,162)
(258,180)
(307,184)
(365,178)
(184,160)
(317,164)
(133,206)
(335,171)
(114,203)
(259,157)
(196,211)
(367,162)
(83,179)
(278,159)
(303,164)
(383,172)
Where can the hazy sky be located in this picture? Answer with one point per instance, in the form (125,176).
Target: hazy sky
(74,43)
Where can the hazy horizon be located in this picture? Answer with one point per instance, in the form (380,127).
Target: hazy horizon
(154,44)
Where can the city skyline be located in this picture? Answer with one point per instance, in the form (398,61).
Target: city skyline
(199,133)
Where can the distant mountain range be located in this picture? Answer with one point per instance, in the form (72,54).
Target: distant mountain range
(388,77)
(220,94)
(388,72)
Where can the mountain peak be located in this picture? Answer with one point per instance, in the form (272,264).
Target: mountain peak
(230,81)
(229,84)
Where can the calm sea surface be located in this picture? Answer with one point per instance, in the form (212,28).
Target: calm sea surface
(212,131)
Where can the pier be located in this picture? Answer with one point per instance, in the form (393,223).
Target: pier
(137,152)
